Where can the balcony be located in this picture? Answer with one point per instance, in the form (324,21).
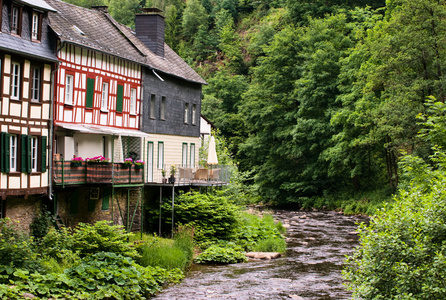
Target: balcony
(192,175)
(68,173)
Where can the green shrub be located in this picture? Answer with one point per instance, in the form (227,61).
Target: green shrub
(41,224)
(102,237)
(403,250)
(15,247)
(251,229)
(184,240)
(221,255)
(103,275)
(271,244)
(212,217)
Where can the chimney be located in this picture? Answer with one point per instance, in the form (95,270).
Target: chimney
(149,27)
(100,8)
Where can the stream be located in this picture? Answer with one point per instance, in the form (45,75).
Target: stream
(317,243)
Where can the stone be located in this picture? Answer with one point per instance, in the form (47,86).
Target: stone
(296,297)
(28,295)
(303,217)
(263,255)
(286,225)
(353,233)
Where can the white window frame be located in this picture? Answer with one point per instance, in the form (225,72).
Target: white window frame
(34,153)
(186,113)
(184,159)
(13,153)
(35,84)
(15,80)
(192,155)
(133,101)
(69,85)
(15,15)
(152,106)
(163,108)
(35,26)
(104,100)
(194,114)
(161,155)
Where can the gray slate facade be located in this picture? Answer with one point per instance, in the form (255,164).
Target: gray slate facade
(177,93)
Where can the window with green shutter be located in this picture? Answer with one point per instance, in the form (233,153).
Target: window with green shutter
(90,92)
(4,155)
(105,202)
(119,98)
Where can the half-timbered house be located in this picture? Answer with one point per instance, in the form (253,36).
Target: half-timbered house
(97,108)
(27,62)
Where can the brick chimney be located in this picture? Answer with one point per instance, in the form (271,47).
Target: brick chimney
(149,27)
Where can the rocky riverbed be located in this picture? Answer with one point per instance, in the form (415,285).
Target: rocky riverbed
(317,243)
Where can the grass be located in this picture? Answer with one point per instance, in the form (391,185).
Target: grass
(167,253)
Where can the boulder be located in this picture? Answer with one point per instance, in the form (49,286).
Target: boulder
(263,255)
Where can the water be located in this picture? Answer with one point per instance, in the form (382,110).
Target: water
(317,243)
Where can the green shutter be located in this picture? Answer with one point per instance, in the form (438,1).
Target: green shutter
(2,152)
(7,155)
(43,153)
(28,156)
(23,153)
(90,92)
(105,202)
(119,98)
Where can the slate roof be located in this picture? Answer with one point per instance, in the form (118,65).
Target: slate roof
(23,47)
(97,30)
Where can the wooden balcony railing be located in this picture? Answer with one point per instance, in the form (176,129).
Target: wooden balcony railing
(68,173)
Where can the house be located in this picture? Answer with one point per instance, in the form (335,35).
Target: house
(119,94)
(27,64)
(97,109)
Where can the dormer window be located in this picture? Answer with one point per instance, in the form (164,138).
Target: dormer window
(16,19)
(36,26)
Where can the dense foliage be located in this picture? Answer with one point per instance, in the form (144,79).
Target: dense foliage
(88,262)
(315,98)
(403,250)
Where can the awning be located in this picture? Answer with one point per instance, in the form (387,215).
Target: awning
(94,129)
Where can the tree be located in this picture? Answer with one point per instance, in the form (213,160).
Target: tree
(194,16)
(402,253)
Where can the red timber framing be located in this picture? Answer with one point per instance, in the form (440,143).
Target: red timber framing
(89,69)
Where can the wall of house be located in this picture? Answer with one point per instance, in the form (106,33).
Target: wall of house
(173,153)
(76,205)
(22,116)
(85,63)
(22,209)
(177,93)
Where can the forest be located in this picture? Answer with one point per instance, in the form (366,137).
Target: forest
(317,99)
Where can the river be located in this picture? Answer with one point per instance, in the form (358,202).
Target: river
(317,243)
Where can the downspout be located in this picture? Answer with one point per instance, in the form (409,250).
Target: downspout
(51,136)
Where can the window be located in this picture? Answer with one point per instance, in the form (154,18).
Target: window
(15,81)
(16,19)
(13,153)
(35,84)
(152,106)
(104,102)
(184,161)
(36,27)
(34,153)
(192,155)
(186,113)
(194,114)
(163,108)
(160,155)
(69,83)
(133,101)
